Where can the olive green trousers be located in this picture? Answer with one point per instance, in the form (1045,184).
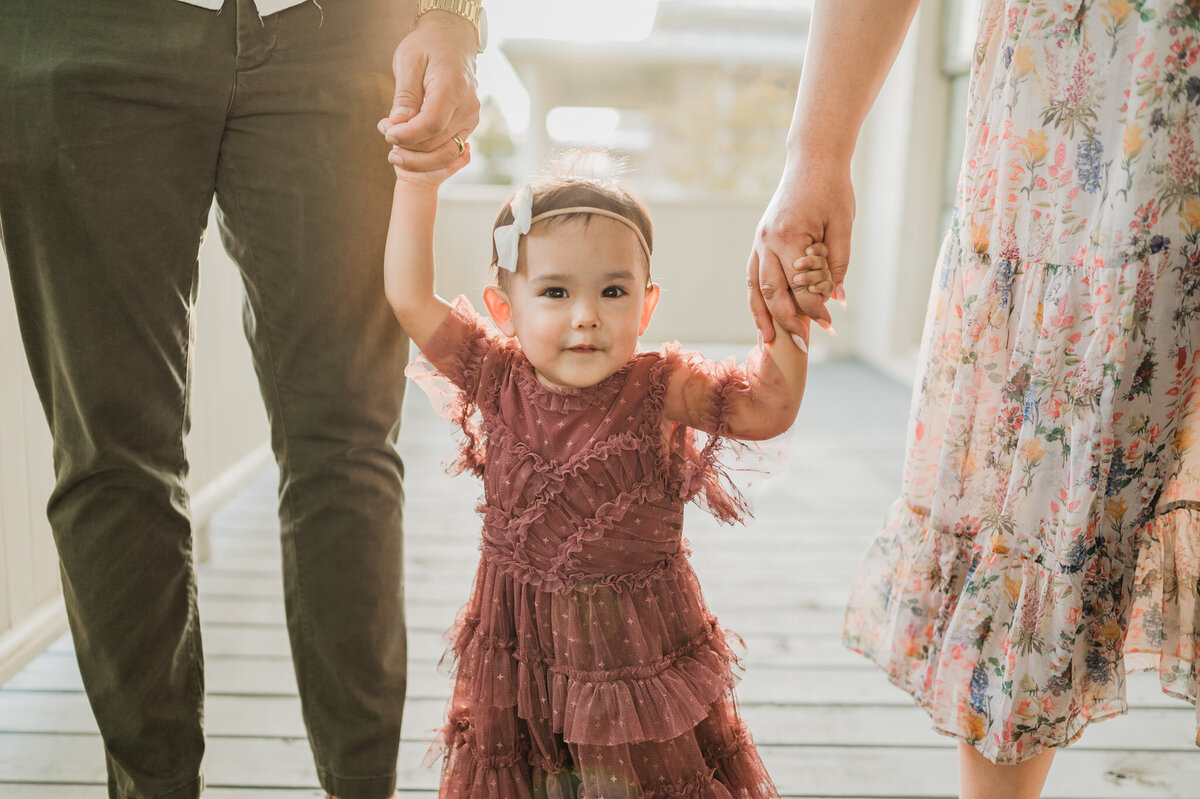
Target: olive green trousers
(120,121)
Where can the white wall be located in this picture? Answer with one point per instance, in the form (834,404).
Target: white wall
(226,447)
(30,608)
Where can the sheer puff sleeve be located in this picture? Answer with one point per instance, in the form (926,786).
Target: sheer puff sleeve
(714,468)
(462,359)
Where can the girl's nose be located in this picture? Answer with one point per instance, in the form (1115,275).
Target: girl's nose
(586,315)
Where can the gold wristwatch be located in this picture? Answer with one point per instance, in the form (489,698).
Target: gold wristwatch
(470,10)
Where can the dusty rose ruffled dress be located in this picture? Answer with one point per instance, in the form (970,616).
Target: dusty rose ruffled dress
(587,662)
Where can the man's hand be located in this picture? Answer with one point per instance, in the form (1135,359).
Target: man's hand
(436,93)
(813,203)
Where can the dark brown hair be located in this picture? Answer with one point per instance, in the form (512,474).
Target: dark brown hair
(568,192)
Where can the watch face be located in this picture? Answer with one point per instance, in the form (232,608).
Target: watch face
(482,28)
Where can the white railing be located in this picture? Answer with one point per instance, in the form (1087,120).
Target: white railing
(227,445)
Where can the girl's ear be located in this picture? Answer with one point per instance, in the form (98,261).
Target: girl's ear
(648,306)
(497,304)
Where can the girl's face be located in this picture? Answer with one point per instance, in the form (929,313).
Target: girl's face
(578,301)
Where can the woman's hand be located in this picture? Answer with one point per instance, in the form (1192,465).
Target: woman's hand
(814,202)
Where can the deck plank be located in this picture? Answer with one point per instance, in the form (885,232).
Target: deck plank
(773,722)
(799,770)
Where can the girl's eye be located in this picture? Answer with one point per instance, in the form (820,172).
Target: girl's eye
(555,293)
(614,291)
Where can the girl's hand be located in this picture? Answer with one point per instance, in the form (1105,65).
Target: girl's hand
(813,274)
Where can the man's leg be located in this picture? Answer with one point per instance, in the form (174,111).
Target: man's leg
(304,194)
(108,142)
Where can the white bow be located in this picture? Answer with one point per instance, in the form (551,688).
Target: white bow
(508,237)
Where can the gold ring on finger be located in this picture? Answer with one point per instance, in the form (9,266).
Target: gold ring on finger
(458,142)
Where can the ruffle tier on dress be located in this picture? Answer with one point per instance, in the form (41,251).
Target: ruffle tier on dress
(587,663)
(620,690)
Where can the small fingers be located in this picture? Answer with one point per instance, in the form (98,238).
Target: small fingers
(823,287)
(811,264)
(813,274)
(826,288)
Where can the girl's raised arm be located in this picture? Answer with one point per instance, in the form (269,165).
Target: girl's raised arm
(408,264)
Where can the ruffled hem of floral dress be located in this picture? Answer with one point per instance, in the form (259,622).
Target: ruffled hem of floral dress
(1163,633)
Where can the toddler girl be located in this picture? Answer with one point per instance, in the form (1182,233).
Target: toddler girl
(587,662)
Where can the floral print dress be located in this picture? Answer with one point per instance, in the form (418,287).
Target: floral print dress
(1047,539)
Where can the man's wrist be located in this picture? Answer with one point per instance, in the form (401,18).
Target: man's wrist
(453,27)
(468,13)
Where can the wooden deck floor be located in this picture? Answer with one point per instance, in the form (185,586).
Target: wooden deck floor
(828,724)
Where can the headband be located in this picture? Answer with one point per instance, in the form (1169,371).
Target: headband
(508,237)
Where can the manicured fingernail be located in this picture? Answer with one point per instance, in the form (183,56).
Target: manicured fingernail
(808,250)
(800,343)
(839,293)
(827,327)
(760,338)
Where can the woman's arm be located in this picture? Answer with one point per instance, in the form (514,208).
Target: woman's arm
(408,266)
(851,46)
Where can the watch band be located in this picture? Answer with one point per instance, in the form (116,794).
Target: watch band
(470,10)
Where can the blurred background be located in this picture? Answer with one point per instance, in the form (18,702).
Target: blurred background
(690,100)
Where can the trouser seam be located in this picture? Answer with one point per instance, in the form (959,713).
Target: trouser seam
(197,652)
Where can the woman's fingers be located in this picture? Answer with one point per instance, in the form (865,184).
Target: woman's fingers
(758,306)
(777,294)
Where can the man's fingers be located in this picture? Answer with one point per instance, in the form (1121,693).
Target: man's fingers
(444,114)
(427,134)
(416,161)
(428,129)
(409,68)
